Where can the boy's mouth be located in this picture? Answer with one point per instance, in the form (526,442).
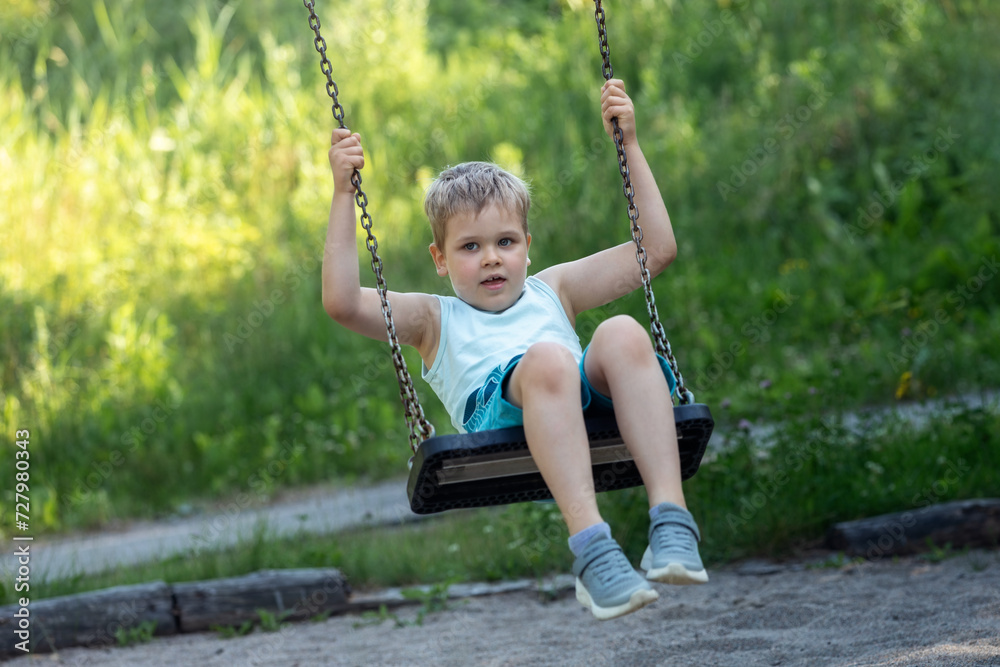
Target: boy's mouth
(494,282)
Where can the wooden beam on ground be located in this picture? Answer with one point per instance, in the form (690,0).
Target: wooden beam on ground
(89,619)
(94,619)
(962,523)
(285,594)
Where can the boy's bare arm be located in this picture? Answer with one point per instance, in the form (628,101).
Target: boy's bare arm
(600,278)
(358,308)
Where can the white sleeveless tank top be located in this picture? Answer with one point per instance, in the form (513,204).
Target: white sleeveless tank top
(474,343)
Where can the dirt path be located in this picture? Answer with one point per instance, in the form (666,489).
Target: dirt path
(908,612)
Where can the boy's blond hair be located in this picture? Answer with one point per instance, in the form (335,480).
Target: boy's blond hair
(469,188)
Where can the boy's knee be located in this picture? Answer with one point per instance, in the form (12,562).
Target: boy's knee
(623,334)
(548,364)
(620,325)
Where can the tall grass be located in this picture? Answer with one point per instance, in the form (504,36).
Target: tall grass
(165,190)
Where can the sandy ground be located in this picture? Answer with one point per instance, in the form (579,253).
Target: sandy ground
(908,612)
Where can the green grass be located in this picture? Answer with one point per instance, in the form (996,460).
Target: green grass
(166,189)
(747,503)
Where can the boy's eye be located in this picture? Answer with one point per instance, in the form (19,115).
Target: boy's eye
(504,243)
(471,246)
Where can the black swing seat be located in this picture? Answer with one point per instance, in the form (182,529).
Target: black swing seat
(495,467)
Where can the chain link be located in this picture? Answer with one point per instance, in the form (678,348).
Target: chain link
(420,429)
(659,335)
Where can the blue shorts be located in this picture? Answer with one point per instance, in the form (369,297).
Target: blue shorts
(488,409)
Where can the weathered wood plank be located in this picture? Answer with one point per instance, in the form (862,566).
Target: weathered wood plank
(90,619)
(961,523)
(291,594)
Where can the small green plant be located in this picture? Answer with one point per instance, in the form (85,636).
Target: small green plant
(978,562)
(834,561)
(231,631)
(139,634)
(936,553)
(269,622)
(369,618)
(433,599)
(272,622)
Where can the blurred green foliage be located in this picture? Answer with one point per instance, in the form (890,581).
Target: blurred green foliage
(830,173)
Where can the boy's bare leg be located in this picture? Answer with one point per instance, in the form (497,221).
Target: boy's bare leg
(622,364)
(546,384)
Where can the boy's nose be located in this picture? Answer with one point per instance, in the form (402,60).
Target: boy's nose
(491,257)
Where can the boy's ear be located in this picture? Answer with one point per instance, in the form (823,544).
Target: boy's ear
(438,256)
(528,247)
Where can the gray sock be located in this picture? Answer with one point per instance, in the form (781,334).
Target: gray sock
(663,507)
(578,542)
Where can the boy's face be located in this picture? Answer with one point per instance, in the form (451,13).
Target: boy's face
(486,257)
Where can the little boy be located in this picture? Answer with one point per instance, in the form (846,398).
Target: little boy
(504,351)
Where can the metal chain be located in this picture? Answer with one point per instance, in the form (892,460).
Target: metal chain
(420,429)
(659,335)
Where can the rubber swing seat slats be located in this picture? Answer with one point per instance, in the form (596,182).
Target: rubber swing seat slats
(495,467)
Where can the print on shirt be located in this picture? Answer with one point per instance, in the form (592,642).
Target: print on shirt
(475,407)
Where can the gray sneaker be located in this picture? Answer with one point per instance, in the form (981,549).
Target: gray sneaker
(606,583)
(672,555)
